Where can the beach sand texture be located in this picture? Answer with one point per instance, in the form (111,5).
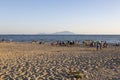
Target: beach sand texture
(31,61)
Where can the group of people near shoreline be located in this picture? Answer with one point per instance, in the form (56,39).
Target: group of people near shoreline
(90,43)
(99,44)
(65,43)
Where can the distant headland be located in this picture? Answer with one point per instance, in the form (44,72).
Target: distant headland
(64,33)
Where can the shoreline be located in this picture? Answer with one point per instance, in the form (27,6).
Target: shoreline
(111,39)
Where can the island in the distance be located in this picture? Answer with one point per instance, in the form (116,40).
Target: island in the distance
(64,33)
(58,33)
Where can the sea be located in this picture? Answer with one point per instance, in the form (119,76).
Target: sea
(50,38)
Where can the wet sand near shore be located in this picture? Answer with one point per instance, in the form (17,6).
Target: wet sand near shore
(32,61)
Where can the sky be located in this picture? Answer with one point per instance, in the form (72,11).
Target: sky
(49,16)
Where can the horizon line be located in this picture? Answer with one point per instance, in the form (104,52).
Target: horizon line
(55,34)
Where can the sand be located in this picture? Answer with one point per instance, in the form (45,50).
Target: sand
(32,61)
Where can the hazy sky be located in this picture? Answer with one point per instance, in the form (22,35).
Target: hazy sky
(49,16)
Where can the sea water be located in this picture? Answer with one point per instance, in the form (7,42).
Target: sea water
(49,38)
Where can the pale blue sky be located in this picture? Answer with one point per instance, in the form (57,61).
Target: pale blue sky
(49,16)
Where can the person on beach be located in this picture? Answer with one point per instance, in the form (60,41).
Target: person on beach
(105,44)
(97,46)
(3,40)
(101,45)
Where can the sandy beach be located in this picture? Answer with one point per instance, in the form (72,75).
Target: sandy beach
(32,61)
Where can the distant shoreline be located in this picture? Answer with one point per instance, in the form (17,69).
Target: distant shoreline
(63,34)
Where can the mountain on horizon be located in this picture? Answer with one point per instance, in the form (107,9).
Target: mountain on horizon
(64,33)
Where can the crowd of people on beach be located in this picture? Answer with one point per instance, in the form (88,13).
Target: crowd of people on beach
(65,43)
(98,44)
(101,45)
(88,43)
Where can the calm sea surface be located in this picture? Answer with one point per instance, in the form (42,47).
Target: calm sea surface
(48,38)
